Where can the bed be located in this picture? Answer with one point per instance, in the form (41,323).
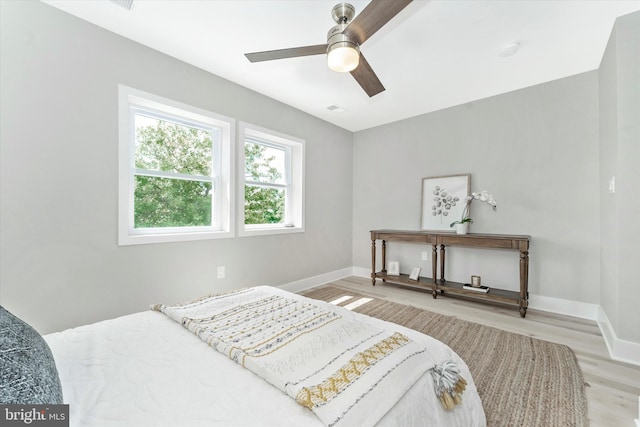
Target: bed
(154,368)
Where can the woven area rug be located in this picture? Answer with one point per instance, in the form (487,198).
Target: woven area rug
(522,381)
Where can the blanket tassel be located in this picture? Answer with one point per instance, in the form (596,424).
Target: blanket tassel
(448,384)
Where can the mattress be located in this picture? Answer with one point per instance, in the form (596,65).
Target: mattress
(145,369)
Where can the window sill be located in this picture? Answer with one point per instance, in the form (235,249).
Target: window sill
(257,231)
(142,239)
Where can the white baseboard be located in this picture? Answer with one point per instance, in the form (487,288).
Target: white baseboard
(312,282)
(579,309)
(621,350)
(362,272)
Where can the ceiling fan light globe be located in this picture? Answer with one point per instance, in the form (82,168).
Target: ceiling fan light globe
(343,58)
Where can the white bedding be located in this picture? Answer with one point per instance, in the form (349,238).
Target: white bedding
(147,370)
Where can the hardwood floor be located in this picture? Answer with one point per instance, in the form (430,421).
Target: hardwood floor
(612,387)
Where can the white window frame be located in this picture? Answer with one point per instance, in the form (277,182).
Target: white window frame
(131,101)
(294,180)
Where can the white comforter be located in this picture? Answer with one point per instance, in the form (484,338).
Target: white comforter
(147,370)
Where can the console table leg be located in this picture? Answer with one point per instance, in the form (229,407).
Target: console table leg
(434,269)
(442,263)
(384,256)
(524,281)
(523,311)
(373,262)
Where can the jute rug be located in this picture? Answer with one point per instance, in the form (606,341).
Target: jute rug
(522,381)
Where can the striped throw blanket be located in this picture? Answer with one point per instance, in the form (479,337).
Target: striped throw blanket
(348,372)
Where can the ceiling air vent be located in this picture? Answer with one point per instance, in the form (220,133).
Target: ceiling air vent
(335,109)
(127,4)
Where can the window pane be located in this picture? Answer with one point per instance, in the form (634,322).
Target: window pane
(172,147)
(263,205)
(163,202)
(264,164)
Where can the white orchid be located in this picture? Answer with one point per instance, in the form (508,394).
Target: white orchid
(483,196)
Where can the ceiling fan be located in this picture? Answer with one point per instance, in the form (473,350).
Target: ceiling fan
(344,41)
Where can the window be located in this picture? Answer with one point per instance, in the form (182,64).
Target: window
(272,187)
(175,171)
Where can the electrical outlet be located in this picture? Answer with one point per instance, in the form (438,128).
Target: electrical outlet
(425,256)
(221,272)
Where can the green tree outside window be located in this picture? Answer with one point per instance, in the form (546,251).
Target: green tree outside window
(182,197)
(263,204)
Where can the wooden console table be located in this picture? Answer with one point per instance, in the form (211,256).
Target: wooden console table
(442,286)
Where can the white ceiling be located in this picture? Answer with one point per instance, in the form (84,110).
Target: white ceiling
(434,54)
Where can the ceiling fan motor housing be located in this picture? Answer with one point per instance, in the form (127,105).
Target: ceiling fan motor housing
(335,38)
(342,13)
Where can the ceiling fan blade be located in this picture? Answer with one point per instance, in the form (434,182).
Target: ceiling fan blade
(372,18)
(293,52)
(366,78)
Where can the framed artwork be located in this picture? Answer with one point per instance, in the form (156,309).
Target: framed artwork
(415,273)
(393,269)
(443,201)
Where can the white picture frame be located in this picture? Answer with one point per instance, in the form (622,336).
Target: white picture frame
(393,268)
(415,273)
(443,201)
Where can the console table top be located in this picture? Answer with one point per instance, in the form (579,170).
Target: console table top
(453,233)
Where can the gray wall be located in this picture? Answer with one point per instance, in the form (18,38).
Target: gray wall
(60,262)
(619,156)
(535,150)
